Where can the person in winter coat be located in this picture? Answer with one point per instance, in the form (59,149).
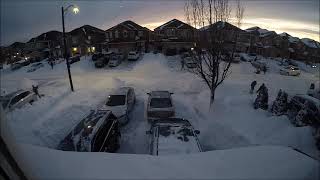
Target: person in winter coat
(35,90)
(182,64)
(264,69)
(253,84)
(51,64)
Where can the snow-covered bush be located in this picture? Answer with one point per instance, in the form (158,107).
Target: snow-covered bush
(280,105)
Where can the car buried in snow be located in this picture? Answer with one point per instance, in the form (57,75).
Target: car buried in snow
(290,71)
(159,105)
(114,61)
(35,67)
(133,55)
(121,102)
(97,132)
(171,136)
(17,99)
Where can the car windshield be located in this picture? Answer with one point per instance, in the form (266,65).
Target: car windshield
(160,103)
(116,100)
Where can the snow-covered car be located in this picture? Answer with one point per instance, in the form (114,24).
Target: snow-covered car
(96,56)
(16,66)
(101,62)
(114,61)
(35,66)
(159,105)
(133,55)
(171,136)
(190,63)
(312,109)
(17,99)
(74,59)
(236,58)
(121,102)
(290,71)
(97,132)
(314,90)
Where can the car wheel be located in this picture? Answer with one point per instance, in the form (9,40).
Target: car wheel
(31,102)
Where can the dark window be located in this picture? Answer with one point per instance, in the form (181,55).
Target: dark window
(101,135)
(160,103)
(116,100)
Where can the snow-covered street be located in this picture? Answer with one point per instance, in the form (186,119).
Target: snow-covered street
(231,123)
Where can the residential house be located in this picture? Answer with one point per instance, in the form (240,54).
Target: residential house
(175,35)
(227,34)
(85,40)
(128,36)
(45,45)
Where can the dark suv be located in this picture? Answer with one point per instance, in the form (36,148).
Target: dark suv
(313,109)
(96,56)
(98,132)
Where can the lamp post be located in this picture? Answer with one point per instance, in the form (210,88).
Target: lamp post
(66,57)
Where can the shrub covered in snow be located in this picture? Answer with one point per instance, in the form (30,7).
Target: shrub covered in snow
(280,105)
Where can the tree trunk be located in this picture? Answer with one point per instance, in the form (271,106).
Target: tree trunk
(211,97)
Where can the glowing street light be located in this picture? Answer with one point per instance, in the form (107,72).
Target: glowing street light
(75,10)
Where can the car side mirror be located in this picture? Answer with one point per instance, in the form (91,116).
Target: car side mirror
(171,93)
(197,131)
(148,94)
(148,132)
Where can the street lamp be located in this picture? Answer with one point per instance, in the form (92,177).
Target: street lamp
(75,10)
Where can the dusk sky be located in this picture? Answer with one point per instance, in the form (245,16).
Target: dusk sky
(22,20)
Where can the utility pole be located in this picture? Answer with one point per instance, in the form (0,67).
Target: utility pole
(66,57)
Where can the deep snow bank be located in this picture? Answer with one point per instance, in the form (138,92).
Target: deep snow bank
(261,162)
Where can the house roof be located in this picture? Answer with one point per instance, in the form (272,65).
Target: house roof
(129,25)
(86,29)
(174,23)
(48,36)
(221,25)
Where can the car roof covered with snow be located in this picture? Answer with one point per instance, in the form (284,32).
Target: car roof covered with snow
(10,95)
(174,136)
(87,127)
(310,98)
(121,91)
(160,94)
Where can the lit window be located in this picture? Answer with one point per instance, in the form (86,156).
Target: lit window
(93,49)
(74,49)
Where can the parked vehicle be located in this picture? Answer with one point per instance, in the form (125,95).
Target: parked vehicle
(16,66)
(314,90)
(313,108)
(74,59)
(120,55)
(121,102)
(114,61)
(102,61)
(236,58)
(96,56)
(290,71)
(97,132)
(170,136)
(133,55)
(259,65)
(185,55)
(159,105)
(190,63)
(17,99)
(35,66)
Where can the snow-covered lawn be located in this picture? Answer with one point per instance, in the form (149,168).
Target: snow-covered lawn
(232,122)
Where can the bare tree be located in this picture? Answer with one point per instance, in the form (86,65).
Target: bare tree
(213,65)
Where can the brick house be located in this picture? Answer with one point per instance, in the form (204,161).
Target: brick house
(85,40)
(175,35)
(128,36)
